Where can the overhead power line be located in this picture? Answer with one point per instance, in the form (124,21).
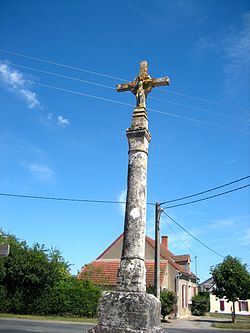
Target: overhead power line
(197,108)
(63,76)
(207,198)
(113,88)
(62,65)
(109,76)
(189,233)
(108,201)
(206,191)
(59,199)
(183,242)
(132,105)
(203,99)
(65,199)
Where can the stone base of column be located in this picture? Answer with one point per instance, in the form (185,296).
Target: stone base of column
(128,312)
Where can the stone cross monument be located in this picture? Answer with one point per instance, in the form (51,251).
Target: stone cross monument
(129,309)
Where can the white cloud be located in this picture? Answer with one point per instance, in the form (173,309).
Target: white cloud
(61,121)
(170,14)
(236,50)
(232,46)
(41,171)
(230,222)
(232,161)
(246,238)
(16,82)
(50,116)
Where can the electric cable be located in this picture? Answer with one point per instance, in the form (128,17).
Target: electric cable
(108,76)
(62,65)
(196,108)
(203,99)
(209,248)
(65,199)
(127,104)
(207,198)
(63,76)
(206,191)
(112,88)
(182,241)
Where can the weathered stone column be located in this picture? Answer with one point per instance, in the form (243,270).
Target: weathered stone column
(132,272)
(129,309)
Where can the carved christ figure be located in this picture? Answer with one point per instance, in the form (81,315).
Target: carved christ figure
(142,85)
(140,94)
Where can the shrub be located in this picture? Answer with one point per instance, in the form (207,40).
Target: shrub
(35,280)
(200,304)
(168,303)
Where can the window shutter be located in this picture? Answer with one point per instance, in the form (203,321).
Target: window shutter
(222,305)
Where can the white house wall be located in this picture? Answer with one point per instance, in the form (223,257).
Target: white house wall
(216,305)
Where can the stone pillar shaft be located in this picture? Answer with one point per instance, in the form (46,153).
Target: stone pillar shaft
(129,309)
(132,272)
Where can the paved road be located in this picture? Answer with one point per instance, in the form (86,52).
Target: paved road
(30,326)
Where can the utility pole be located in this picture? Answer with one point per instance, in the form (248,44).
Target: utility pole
(195,258)
(157,273)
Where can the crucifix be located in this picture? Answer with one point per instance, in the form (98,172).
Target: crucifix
(129,309)
(142,85)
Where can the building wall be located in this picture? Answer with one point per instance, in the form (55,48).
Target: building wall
(114,251)
(186,289)
(171,276)
(222,306)
(183,288)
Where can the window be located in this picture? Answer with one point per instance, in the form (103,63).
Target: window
(222,305)
(184,296)
(243,306)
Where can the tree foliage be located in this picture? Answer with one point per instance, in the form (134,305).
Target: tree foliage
(168,303)
(35,280)
(232,281)
(200,304)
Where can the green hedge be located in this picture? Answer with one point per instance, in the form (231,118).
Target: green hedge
(200,304)
(35,280)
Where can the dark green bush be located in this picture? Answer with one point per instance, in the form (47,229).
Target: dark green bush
(35,280)
(168,303)
(200,304)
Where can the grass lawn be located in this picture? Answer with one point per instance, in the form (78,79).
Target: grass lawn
(242,322)
(56,318)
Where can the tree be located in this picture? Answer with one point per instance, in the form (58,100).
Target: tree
(35,280)
(232,281)
(26,273)
(168,303)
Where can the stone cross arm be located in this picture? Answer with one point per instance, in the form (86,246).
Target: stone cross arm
(148,82)
(162,81)
(142,85)
(126,86)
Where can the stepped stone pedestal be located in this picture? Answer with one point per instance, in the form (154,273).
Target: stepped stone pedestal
(129,309)
(128,312)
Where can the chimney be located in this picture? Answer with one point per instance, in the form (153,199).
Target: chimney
(164,241)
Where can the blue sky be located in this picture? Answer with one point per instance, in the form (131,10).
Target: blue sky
(64,143)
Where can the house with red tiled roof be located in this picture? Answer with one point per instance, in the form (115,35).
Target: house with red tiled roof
(175,274)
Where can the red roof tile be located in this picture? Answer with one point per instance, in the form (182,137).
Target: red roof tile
(167,255)
(105,272)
